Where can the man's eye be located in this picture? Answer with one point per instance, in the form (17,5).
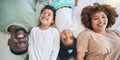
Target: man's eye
(16,43)
(25,43)
(25,35)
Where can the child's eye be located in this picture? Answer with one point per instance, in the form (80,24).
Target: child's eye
(64,40)
(71,38)
(49,14)
(43,13)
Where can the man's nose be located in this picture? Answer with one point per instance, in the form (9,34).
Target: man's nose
(20,36)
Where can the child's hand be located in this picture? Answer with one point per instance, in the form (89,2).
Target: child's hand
(76,2)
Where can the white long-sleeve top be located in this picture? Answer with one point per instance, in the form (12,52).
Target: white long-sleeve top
(43,44)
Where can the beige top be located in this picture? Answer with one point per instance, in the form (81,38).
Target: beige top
(98,46)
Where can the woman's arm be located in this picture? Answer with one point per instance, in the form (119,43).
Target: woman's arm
(80,55)
(82,45)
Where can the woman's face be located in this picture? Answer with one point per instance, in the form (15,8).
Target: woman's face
(67,37)
(99,21)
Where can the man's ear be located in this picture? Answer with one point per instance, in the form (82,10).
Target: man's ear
(8,42)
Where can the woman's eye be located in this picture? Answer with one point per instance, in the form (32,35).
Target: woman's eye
(95,18)
(103,17)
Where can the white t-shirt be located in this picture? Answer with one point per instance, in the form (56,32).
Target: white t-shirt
(43,44)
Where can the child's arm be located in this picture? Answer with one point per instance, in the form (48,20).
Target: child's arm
(76,2)
(56,46)
(31,48)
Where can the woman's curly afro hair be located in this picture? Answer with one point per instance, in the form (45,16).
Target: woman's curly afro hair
(90,10)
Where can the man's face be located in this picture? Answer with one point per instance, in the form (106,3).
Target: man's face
(18,41)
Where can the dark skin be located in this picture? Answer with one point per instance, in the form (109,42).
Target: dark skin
(12,28)
(18,41)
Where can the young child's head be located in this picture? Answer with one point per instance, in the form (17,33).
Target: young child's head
(67,37)
(47,15)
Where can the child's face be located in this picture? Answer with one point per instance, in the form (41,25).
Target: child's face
(46,17)
(67,37)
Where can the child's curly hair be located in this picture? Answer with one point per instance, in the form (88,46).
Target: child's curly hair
(90,10)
